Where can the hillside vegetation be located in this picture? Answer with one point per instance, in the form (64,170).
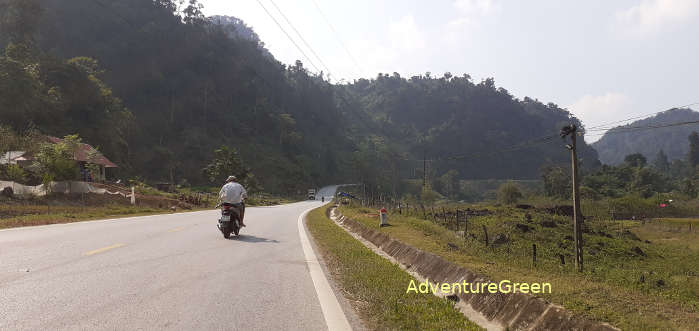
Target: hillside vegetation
(672,141)
(166,87)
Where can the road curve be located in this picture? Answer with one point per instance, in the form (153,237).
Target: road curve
(171,271)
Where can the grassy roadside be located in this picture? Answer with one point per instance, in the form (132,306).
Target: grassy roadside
(65,214)
(66,208)
(376,287)
(618,286)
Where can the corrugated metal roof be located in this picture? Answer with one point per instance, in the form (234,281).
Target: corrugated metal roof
(11,157)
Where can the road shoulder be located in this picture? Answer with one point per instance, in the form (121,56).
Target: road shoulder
(376,288)
(350,312)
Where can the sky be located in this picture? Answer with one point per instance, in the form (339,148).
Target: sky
(604,61)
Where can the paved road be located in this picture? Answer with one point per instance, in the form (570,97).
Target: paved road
(161,272)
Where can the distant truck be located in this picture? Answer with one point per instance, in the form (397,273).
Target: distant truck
(312,194)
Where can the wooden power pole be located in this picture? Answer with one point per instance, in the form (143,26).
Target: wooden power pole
(577,215)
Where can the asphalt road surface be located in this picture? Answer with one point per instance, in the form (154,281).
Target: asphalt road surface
(171,271)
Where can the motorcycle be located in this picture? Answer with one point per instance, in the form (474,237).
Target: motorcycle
(229,221)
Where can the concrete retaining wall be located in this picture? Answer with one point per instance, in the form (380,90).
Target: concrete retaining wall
(65,187)
(513,311)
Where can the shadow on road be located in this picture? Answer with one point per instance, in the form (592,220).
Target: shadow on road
(253,239)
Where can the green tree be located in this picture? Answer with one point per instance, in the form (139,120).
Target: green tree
(693,156)
(19,20)
(689,188)
(509,193)
(91,166)
(661,163)
(56,162)
(428,196)
(635,160)
(15,173)
(288,136)
(227,162)
(8,139)
(647,181)
(450,183)
(557,182)
(193,13)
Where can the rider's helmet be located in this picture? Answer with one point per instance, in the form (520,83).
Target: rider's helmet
(230,179)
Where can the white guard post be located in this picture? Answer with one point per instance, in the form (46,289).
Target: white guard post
(383,216)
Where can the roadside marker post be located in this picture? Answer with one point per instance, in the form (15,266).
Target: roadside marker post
(383,216)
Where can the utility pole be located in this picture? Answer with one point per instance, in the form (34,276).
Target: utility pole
(571,130)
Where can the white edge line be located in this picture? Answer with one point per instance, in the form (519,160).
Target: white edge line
(334,316)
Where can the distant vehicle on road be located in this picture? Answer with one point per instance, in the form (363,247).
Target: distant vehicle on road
(312,194)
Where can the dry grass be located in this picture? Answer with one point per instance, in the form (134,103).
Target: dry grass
(43,215)
(62,208)
(610,289)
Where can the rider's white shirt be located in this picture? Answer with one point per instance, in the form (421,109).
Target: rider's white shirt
(232,193)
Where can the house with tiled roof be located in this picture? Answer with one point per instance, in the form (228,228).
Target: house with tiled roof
(84,155)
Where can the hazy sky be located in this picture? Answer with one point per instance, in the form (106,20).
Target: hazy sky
(602,60)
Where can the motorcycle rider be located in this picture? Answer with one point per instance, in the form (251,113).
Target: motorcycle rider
(233,194)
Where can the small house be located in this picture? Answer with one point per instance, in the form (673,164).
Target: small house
(84,156)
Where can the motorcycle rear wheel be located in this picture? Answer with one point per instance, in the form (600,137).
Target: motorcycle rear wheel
(236,230)
(226,232)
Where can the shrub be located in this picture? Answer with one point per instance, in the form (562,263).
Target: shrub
(15,173)
(428,196)
(509,193)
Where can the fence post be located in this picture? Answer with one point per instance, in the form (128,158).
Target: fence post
(485,232)
(465,224)
(458,221)
(444,215)
(534,254)
(133,195)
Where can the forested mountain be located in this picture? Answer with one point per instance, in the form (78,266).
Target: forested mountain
(192,88)
(170,86)
(479,130)
(624,140)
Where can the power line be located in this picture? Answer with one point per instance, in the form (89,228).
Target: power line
(302,39)
(524,145)
(637,117)
(643,128)
(652,126)
(288,36)
(338,38)
(548,139)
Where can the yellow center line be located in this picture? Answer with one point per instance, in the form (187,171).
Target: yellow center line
(103,249)
(177,229)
